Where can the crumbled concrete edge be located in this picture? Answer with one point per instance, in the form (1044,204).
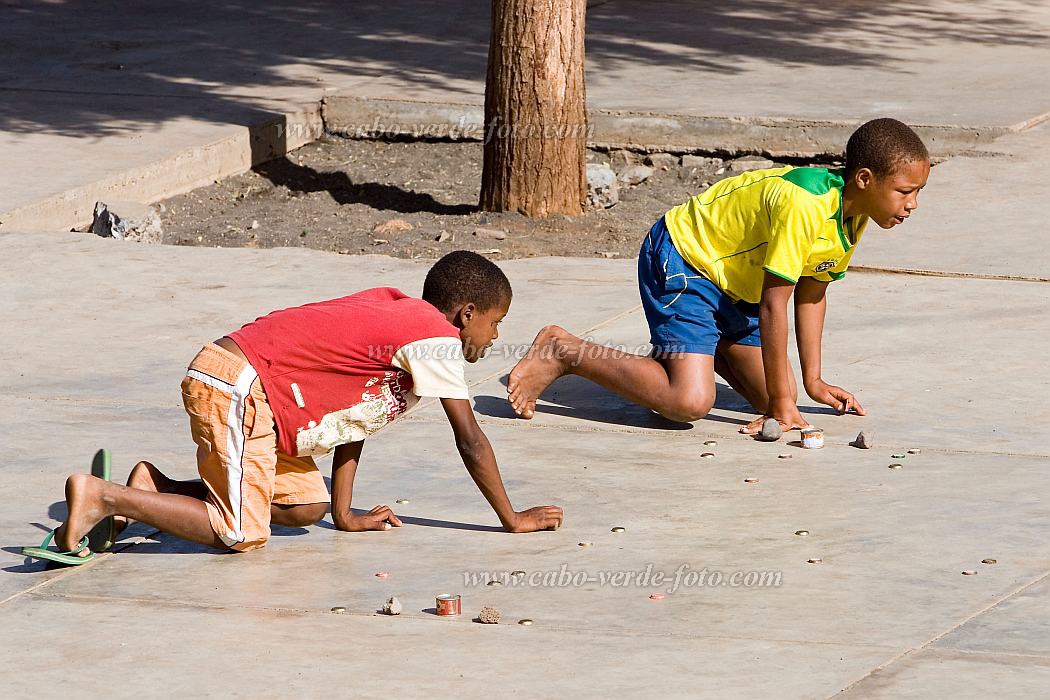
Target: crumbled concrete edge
(355,117)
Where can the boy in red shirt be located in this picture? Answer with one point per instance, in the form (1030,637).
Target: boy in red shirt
(298,383)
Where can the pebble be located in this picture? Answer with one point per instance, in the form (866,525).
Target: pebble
(489,616)
(771,430)
(864,441)
(443,236)
(392,606)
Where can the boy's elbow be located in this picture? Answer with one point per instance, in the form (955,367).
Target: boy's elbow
(472,446)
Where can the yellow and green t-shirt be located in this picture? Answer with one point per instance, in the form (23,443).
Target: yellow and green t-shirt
(787,221)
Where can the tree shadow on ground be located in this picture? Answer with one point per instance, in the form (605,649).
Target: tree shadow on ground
(139,64)
(301,179)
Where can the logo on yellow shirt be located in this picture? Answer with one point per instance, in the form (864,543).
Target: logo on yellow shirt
(826,265)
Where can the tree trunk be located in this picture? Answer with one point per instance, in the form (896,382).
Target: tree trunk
(535,109)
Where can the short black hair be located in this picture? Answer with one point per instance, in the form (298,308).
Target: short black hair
(882,146)
(462,277)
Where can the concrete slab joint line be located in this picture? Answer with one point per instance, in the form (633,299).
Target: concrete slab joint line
(933,640)
(776,137)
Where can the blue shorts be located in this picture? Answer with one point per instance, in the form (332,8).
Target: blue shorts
(687,313)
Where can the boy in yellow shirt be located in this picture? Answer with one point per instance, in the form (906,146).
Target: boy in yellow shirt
(716,273)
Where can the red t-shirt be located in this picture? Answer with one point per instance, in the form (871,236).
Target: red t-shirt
(337,371)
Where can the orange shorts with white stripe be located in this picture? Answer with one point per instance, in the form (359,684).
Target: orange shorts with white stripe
(237,456)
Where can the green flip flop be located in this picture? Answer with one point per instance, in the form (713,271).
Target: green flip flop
(70,558)
(101,537)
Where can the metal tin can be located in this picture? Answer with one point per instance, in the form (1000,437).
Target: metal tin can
(448,605)
(812,438)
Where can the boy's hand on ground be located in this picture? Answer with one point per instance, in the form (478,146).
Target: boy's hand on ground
(835,396)
(379,518)
(538,518)
(786,413)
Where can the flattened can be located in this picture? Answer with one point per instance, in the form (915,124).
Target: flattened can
(812,438)
(448,605)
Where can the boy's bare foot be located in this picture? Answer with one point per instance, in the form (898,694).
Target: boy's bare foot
(145,477)
(86,509)
(545,361)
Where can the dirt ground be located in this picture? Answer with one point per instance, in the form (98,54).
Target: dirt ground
(332,194)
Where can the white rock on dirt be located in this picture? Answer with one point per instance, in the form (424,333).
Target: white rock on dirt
(621,159)
(690,162)
(496,234)
(635,175)
(742,165)
(130,221)
(602,188)
(663,161)
(392,226)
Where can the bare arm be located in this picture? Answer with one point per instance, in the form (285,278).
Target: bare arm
(480,462)
(811,304)
(773,324)
(344,469)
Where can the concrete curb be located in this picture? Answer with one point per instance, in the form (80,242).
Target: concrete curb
(363,118)
(231,155)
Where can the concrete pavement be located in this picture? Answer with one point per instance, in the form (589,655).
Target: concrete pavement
(141,102)
(886,612)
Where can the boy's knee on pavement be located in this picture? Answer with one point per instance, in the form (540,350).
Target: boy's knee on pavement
(689,408)
(299,514)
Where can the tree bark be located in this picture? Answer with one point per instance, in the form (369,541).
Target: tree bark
(535,109)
